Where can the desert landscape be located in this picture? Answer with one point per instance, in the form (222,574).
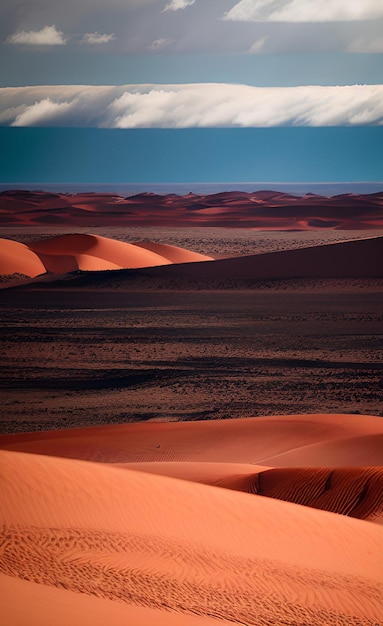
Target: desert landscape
(191,426)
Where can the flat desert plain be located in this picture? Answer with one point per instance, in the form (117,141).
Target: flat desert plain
(191,440)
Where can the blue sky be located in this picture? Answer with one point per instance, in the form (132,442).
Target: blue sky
(288,68)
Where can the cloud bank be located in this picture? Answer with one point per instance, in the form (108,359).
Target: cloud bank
(191,105)
(47,36)
(304,10)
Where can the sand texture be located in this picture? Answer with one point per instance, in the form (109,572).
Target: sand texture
(246,547)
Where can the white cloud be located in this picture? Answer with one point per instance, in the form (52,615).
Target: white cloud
(159,43)
(304,10)
(47,36)
(97,38)
(176,5)
(191,105)
(257,45)
(44,112)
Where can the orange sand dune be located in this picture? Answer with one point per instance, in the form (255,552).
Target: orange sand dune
(16,258)
(180,547)
(249,440)
(68,253)
(119,253)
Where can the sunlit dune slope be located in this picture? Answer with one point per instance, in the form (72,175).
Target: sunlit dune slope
(16,258)
(250,440)
(180,547)
(67,253)
(99,249)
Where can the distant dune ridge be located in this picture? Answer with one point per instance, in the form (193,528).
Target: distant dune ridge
(189,523)
(265,209)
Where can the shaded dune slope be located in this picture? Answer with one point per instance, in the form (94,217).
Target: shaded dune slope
(362,258)
(68,253)
(179,547)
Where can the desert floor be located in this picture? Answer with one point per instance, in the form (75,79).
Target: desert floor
(90,357)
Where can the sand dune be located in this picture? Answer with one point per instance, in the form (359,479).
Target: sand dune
(67,253)
(177,547)
(257,441)
(16,258)
(358,259)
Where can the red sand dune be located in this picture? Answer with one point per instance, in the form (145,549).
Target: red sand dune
(264,209)
(67,253)
(142,541)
